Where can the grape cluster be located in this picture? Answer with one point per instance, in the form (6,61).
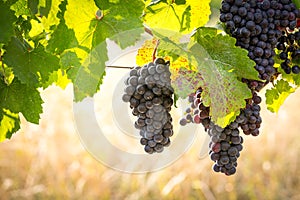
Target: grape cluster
(225,147)
(289,48)
(255,24)
(249,118)
(226,143)
(149,93)
(198,113)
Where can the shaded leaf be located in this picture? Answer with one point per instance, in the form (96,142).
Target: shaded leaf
(31,67)
(71,64)
(21,98)
(7,20)
(61,39)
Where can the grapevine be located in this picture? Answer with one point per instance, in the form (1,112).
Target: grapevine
(220,69)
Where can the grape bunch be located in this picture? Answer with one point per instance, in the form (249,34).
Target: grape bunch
(225,147)
(249,118)
(256,26)
(149,93)
(198,113)
(225,143)
(289,51)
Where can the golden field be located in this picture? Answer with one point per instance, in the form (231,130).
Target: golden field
(47,161)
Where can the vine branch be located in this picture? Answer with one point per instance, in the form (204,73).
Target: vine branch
(119,67)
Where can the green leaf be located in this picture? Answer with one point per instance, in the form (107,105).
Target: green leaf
(205,31)
(21,8)
(90,74)
(61,39)
(222,91)
(33,6)
(71,64)
(9,124)
(223,51)
(183,16)
(18,97)
(223,65)
(186,82)
(220,67)
(31,67)
(7,20)
(45,7)
(59,78)
(117,18)
(276,96)
(297,3)
(48,12)
(119,22)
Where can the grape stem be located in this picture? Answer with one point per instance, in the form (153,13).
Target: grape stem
(147,30)
(120,67)
(155,50)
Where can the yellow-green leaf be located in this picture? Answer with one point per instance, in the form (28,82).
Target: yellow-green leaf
(177,16)
(276,96)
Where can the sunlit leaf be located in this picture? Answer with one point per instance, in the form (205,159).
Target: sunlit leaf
(183,16)
(276,96)
(9,124)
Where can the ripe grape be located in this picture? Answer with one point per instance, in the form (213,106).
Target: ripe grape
(149,93)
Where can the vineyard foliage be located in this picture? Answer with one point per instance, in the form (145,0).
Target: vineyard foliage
(65,41)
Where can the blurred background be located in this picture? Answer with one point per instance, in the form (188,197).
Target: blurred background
(48,161)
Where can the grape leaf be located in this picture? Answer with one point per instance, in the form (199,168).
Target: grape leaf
(9,124)
(223,51)
(185,80)
(59,77)
(33,6)
(221,66)
(20,8)
(7,20)
(118,17)
(297,3)
(90,74)
(71,64)
(183,16)
(276,96)
(18,97)
(62,38)
(49,13)
(45,7)
(119,22)
(31,67)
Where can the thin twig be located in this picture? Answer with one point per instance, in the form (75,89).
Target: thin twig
(147,30)
(155,51)
(120,67)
